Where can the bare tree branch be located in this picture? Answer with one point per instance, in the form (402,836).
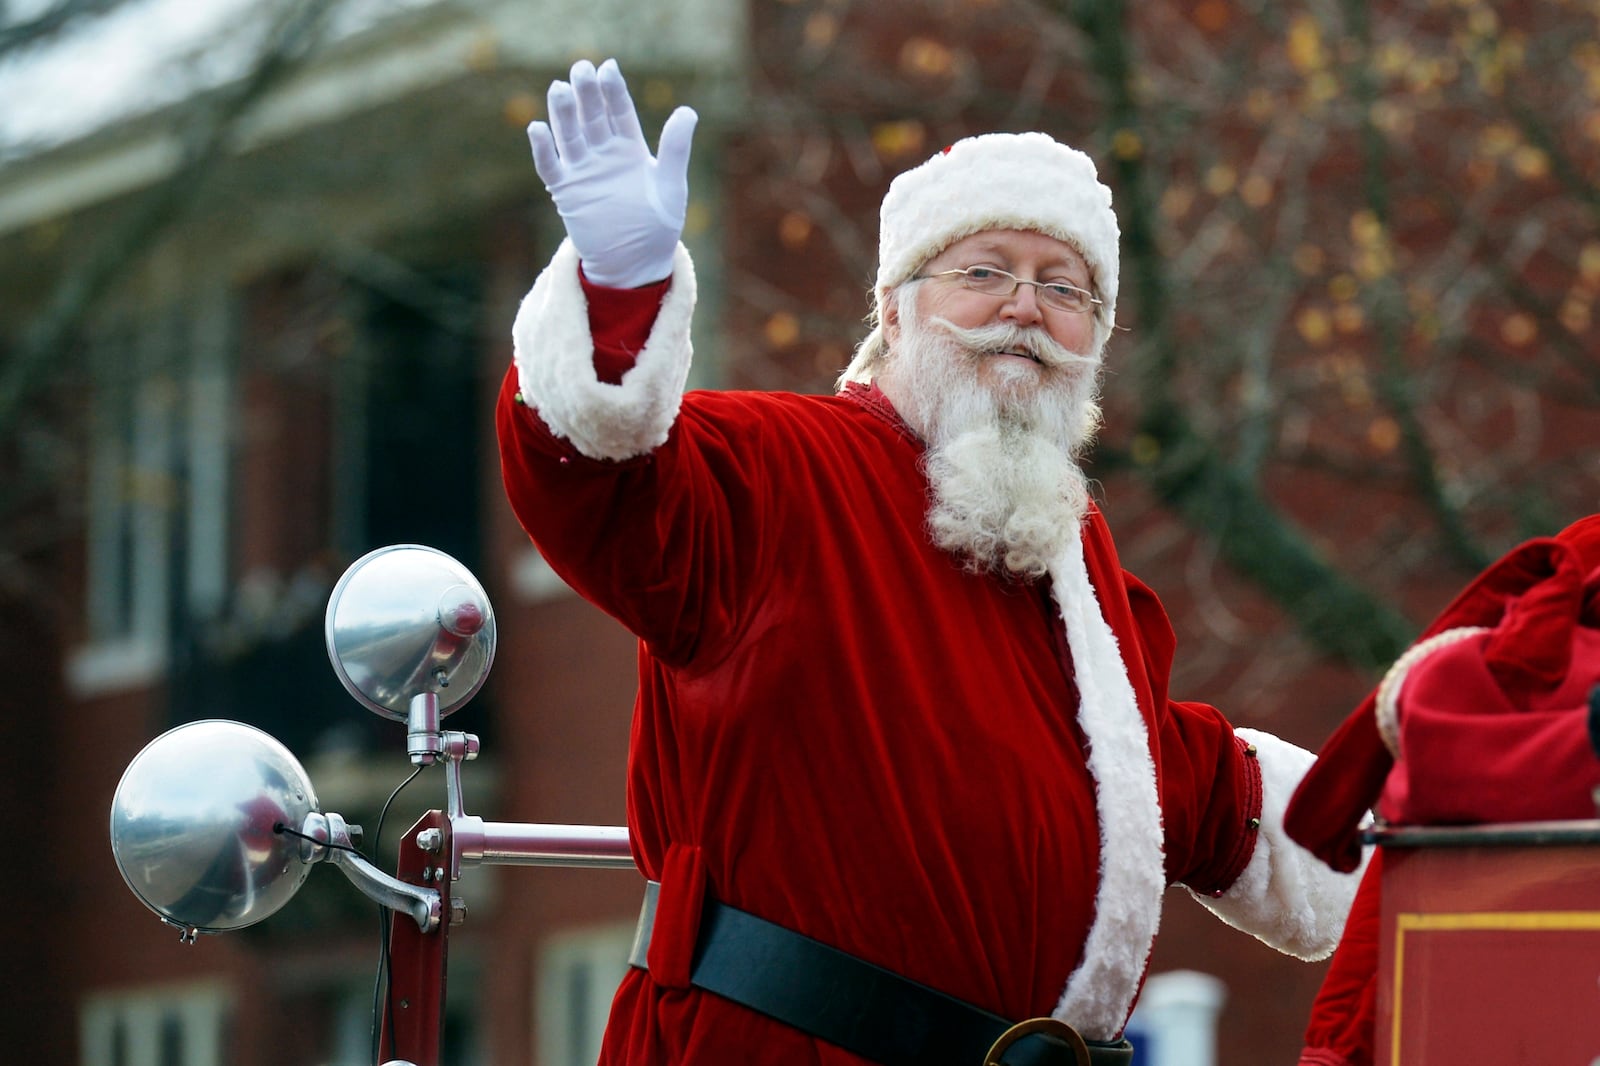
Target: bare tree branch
(204,137)
(51,21)
(1189,474)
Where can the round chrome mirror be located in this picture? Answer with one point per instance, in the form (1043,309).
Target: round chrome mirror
(406,620)
(194,825)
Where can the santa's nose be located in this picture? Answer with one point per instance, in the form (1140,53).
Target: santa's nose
(1022,307)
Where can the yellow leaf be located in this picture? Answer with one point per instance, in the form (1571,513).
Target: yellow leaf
(1305,44)
(1220,179)
(1589,263)
(1127,144)
(1576,314)
(894,140)
(1498,139)
(1365,229)
(782,329)
(1313,324)
(1383,434)
(794,229)
(821,29)
(1530,163)
(1176,201)
(1519,329)
(927,57)
(520,109)
(1256,191)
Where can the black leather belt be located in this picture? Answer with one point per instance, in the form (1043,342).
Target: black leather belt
(863,1008)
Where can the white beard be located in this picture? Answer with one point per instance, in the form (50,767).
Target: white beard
(1002,458)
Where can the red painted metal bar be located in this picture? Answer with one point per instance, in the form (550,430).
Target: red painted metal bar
(413,1019)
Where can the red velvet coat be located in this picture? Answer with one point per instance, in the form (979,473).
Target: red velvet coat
(838,727)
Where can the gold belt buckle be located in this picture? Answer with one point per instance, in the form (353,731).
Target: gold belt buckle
(1049,1026)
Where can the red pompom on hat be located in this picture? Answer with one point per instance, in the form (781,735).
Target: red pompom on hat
(1484,720)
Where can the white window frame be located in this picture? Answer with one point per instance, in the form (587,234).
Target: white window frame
(596,955)
(202,1009)
(175,418)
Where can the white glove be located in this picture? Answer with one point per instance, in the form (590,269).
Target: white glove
(622,207)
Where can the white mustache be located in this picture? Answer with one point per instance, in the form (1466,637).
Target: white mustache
(1033,341)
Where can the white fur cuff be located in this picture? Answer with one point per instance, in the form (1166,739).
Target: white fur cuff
(1285,896)
(554,354)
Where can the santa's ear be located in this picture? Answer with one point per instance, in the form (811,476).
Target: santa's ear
(889,317)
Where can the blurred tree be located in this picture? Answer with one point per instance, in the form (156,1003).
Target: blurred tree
(42,364)
(1360,251)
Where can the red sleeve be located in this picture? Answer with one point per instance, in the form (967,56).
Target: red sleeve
(1342,1026)
(654,540)
(619,322)
(1211,798)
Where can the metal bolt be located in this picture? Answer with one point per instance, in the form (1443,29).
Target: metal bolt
(430,840)
(458,910)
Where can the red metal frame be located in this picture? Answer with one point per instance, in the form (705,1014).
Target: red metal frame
(416,995)
(1487,950)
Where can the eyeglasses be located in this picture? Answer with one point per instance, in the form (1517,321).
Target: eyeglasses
(992,281)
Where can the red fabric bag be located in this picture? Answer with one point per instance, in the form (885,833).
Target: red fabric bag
(1490,717)
(1491,722)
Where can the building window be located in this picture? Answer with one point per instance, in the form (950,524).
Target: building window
(1175,1023)
(578,975)
(362,424)
(182,1025)
(336,1027)
(157,487)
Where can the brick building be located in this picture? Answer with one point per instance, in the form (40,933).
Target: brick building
(296,366)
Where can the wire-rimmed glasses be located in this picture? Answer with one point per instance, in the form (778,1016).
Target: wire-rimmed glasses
(992,281)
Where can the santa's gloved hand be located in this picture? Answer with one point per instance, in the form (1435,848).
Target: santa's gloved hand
(623,208)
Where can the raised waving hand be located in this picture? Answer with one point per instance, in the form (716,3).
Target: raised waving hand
(623,207)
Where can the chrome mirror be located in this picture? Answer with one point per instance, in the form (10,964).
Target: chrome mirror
(197,820)
(408,621)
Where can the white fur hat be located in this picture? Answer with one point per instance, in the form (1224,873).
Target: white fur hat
(1023,181)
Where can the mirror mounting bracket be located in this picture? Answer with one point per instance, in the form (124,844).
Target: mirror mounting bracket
(330,841)
(423,741)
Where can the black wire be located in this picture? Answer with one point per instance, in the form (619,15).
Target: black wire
(381,1000)
(279,827)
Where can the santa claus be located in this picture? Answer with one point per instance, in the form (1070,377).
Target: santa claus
(905,776)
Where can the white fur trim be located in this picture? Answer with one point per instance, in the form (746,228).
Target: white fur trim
(1387,704)
(1023,181)
(1127,907)
(1285,896)
(554,354)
